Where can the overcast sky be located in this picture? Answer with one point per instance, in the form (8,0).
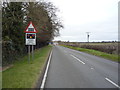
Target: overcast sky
(99,17)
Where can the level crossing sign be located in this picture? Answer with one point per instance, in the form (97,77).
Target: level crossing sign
(30,34)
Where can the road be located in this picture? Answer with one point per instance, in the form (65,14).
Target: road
(73,69)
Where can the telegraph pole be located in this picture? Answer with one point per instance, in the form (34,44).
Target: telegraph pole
(88,36)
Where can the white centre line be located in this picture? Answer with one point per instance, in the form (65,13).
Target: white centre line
(112,82)
(77,59)
(91,68)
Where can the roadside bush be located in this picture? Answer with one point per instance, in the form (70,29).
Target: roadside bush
(8,53)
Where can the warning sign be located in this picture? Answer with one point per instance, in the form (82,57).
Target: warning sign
(30,28)
(30,34)
(30,38)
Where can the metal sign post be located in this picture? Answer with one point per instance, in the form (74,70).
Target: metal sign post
(32,52)
(30,39)
(28,53)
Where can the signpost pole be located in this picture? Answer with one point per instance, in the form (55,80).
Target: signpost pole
(32,52)
(28,53)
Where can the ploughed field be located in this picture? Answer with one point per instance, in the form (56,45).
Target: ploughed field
(108,47)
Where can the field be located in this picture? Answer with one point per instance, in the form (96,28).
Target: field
(107,47)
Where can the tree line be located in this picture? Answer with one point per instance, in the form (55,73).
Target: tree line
(15,18)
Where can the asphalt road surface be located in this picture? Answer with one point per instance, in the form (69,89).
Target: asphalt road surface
(73,69)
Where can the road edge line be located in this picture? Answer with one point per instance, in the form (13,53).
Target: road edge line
(46,71)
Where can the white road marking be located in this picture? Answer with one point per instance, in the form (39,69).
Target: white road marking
(77,59)
(112,82)
(92,68)
(46,71)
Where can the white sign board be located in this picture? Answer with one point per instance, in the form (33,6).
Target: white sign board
(30,38)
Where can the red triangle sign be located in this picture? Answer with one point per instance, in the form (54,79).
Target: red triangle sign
(30,28)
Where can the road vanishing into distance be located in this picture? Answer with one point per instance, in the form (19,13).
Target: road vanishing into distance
(74,69)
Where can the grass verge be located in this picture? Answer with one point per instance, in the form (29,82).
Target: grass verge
(112,57)
(24,74)
(0,80)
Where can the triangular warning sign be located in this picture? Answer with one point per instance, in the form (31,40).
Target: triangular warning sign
(30,28)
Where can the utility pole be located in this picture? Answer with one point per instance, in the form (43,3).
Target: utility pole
(88,36)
